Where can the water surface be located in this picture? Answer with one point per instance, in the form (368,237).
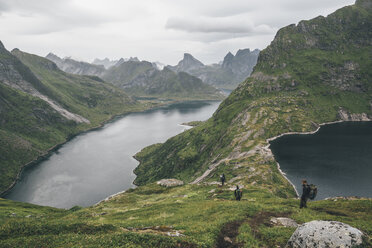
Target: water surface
(99,163)
(338,159)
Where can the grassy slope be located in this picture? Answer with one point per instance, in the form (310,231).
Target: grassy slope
(144,216)
(267,104)
(29,126)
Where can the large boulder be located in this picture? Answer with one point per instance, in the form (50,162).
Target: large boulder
(170,182)
(330,234)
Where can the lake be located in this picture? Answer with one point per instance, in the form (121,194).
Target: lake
(99,163)
(338,159)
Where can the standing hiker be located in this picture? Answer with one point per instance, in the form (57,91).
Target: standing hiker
(222,178)
(238,193)
(305,194)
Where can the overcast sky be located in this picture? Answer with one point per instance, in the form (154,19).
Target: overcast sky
(154,30)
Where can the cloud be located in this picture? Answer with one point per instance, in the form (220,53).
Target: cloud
(230,25)
(159,30)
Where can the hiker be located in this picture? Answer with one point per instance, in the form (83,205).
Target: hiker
(305,194)
(222,178)
(238,193)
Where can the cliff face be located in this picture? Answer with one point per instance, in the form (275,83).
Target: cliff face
(308,74)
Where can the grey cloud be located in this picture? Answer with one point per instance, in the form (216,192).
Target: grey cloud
(50,16)
(231,25)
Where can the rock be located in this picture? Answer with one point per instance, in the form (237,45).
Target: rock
(170,182)
(346,116)
(227,239)
(330,234)
(282,221)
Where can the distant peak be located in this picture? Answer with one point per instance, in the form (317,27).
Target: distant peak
(241,52)
(189,60)
(1,45)
(52,55)
(228,56)
(188,56)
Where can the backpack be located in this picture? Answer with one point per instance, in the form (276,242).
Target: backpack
(313,191)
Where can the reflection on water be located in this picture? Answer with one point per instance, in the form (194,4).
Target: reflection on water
(99,163)
(338,159)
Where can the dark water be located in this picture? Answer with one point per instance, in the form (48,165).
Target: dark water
(338,159)
(99,163)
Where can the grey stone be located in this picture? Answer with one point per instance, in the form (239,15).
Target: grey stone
(170,182)
(325,234)
(282,221)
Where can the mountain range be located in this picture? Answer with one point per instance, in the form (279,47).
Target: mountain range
(142,78)
(226,75)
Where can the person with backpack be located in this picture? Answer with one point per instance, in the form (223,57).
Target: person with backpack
(238,193)
(222,178)
(305,194)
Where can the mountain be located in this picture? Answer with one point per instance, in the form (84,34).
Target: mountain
(107,63)
(187,64)
(277,98)
(314,72)
(142,78)
(42,106)
(76,67)
(241,65)
(232,71)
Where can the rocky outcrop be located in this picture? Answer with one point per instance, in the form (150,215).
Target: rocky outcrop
(170,182)
(330,234)
(346,116)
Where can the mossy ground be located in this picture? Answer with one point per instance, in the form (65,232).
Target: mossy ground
(147,215)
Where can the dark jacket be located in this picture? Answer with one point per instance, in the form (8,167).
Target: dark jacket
(305,191)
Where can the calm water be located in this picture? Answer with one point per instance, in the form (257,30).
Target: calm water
(99,163)
(338,159)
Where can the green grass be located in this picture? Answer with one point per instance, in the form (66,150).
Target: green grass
(142,217)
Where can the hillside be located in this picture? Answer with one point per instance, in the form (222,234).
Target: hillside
(41,106)
(227,75)
(142,79)
(314,72)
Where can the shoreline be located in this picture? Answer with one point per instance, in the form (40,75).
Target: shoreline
(47,153)
(267,147)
